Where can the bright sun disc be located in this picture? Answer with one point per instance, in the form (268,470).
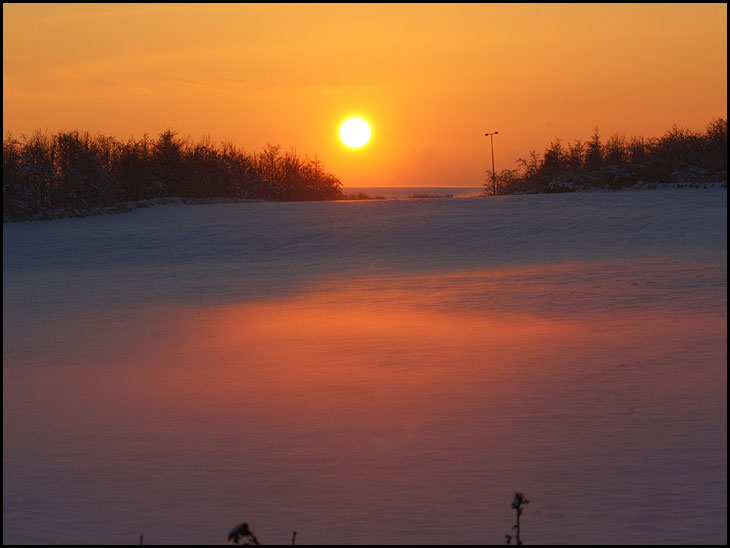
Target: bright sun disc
(355,132)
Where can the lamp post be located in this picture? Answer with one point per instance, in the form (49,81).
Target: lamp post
(494,175)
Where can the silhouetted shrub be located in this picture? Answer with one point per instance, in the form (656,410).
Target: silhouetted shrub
(679,156)
(71,174)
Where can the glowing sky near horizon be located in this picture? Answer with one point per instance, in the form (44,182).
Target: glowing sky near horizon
(430,79)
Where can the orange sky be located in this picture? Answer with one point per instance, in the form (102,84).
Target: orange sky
(431,79)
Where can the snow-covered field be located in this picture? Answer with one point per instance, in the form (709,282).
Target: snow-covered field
(394,192)
(370,372)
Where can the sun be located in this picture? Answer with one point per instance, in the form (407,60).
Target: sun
(355,132)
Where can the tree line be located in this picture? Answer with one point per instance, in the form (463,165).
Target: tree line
(72,174)
(679,156)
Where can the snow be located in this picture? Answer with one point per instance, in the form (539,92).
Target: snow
(370,372)
(396,192)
